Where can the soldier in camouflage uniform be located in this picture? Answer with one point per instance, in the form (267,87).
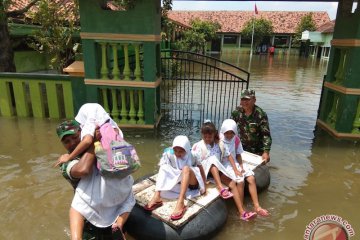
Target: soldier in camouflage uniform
(253,125)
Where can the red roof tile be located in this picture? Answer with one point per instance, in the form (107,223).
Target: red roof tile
(327,27)
(234,21)
(66,5)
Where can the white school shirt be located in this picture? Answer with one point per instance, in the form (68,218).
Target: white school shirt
(230,145)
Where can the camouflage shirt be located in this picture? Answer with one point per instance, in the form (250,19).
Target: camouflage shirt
(254,130)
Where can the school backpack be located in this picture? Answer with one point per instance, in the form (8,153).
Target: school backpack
(120,160)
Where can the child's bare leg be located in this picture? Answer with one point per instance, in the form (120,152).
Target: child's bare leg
(76,224)
(254,195)
(240,186)
(215,173)
(188,177)
(156,198)
(234,190)
(253,191)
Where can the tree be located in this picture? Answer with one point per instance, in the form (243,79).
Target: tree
(6,51)
(201,32)
(167,26)
(262,28)
(56,33)
(306,23)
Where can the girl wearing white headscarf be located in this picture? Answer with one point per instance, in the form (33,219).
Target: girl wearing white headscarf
(229,137)
(180,176)
(235,148)
(90,117)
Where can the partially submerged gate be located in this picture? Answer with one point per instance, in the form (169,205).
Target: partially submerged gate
(196,87)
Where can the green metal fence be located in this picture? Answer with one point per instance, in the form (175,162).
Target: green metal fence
(40,95)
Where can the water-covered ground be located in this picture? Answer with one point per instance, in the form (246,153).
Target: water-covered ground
(312,173)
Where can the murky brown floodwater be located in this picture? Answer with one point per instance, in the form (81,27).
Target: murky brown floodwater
(312,173)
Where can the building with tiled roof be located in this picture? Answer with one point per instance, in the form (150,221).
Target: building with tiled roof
(233,22)
(327,27)
(66,7)
(320,40)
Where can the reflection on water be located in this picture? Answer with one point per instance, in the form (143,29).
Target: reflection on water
(312,173)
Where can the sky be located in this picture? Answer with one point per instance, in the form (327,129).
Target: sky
(329,7)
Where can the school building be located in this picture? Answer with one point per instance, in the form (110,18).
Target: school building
(320,40)
(232,23)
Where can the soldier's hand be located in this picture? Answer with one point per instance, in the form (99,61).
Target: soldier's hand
(266,157)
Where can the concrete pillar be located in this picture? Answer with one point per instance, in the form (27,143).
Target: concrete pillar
(339,106)
(239,40)
(222,41)
(290,39)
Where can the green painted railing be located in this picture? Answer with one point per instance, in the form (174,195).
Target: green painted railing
(120,61)
(38,95)
(356,124)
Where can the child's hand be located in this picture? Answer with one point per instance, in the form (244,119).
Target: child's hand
(62,159)
(238,173)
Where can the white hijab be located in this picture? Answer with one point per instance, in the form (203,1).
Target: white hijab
(184,143)
(228,125)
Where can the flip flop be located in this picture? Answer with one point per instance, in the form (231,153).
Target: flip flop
(154,206)
(179,215)
(262,212)
(225,193)
(246,216)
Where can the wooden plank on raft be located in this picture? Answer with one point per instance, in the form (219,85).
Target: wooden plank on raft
(145,189)
(194,205)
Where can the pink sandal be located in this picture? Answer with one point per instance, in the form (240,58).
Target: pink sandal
(225,193)
(246,216)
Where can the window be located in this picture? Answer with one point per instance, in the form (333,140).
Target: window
(230,39)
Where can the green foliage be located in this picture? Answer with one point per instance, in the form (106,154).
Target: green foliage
(125,4)
(262,28)
(2,11)
(55,35)
(166,7)
(306,23)
(201,32)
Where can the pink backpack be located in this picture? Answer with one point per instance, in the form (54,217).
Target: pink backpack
(115,156)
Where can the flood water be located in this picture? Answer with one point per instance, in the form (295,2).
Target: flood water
(312,174)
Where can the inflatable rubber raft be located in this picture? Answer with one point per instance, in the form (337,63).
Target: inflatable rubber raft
(205,215)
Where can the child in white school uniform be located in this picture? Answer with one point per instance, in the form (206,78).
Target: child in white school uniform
(229,137)
(177,165)
(90,117)
(210,150)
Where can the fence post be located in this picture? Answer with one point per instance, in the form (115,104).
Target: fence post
(5,99)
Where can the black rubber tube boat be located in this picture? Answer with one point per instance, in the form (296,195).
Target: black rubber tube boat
(206,224)
(262,177)
(203,225)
